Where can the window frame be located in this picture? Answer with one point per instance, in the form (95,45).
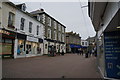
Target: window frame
(11,19)
(30,27)
(22,25)
(37,32)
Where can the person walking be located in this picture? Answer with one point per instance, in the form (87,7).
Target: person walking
(62,53)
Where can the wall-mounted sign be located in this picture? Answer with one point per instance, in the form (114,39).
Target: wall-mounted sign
(33,39)
(4,32)
(112,54)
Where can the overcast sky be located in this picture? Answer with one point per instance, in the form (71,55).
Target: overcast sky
(69,14)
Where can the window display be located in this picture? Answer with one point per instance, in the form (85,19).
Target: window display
(20,49)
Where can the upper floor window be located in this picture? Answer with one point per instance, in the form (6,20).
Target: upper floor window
(59,27)
(55,37)
(37,30)
(49,21)
(11,20)
(59,36)
(49,33)
(23,7)
(22,24)
(82,43)
(55,25)
(63,37)
(63,29)
(86,43)
(38,17)
(30,27)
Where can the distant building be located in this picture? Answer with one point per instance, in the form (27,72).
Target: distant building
(84,43)
(73,42)
(91,43)
(54,32)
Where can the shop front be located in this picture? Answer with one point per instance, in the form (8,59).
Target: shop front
(75,48)
(32,47)
(7,43)
(21,41)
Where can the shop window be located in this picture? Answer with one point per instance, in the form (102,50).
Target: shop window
(8,41)
(11,20)
(22,24)
(61,47)
(45,46)
(30,27)
(1,40)
(57,46)
(37,30)
(28,48)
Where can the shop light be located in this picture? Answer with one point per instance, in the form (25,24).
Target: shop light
(118,27)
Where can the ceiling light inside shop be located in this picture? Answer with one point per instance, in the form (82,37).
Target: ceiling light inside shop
(118,27)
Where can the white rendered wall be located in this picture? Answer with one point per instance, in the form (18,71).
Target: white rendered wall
(110,12)
(28,19)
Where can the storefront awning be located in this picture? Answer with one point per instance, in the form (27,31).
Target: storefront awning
(75,46)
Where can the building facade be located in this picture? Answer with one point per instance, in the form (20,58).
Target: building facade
(73,42)
(84,43)
(105,17)
(91,43)
(7,29)
(22,34)
(54,32)
(29,34)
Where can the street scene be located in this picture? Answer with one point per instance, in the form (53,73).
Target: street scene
(60,39)
(67,66)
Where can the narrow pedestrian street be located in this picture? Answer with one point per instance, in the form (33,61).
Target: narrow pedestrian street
(67,66)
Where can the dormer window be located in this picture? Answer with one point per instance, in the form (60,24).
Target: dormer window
(38,17)
(23,7)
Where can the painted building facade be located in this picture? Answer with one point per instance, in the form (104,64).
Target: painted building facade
(54,32)
(7,29)
(22,34)
(30,34)
(73,42)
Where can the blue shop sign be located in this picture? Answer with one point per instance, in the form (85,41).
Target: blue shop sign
(75,46)
(112,54)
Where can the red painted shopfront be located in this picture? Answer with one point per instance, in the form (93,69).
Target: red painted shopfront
(7,43)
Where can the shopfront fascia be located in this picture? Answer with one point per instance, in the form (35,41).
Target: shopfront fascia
(7,43)
(75,48)
(33,47)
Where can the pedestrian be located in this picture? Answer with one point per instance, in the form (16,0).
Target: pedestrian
(95,52)
(62,53)
(86,54)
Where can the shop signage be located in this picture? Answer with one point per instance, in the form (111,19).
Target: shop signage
(112,54)
(33,39)
(21,36)
(75,46)
(4,32)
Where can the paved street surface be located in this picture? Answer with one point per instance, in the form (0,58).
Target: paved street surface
(69,66)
